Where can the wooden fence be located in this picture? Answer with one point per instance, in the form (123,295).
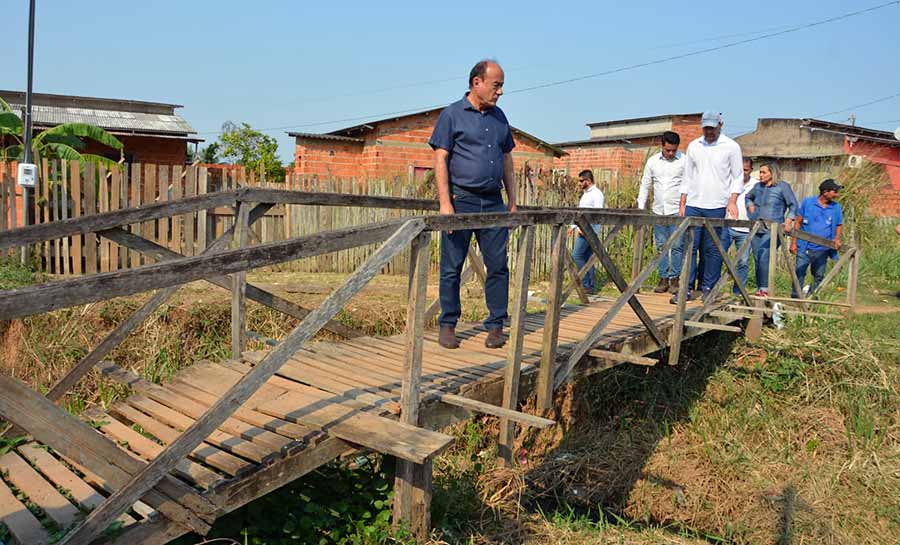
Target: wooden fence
(69,190)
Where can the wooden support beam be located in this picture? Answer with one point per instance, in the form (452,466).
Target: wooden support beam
(833,272)
(254,293)
(785,311)
(97,222)
(714,293)
(637,257)
(495,410)
(620,357)
(594,335)
(773,256)
(801,301)
(519,297)
(792,269)
(477,265)
(239,285)
(572,268)
(607,261)
(754,326)
(76,440)
(550,342)
(150,474)
(853,275)
(412,484)
(592,261)
(713,326)
(677,334)
(98,287)
(729,265)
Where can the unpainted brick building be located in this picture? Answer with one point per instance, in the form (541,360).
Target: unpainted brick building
(618,149)
(397,146)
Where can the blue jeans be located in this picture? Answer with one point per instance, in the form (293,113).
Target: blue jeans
(454,249)
(760,244)
(729,237)
(580,254)
(703,244)
(816,261)
(670,264)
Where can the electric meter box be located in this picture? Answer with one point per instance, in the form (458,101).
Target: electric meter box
(27,174)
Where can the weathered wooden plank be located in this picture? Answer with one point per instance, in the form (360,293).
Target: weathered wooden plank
(78,441)
(241,391)
(95,222)
(619,356)
(103,207)
(25,528)
(677,333)
(619,280)
(713,326)
(519,298)
(115,203)
(39,491)
(90,210)
(190,190)
(550,342)
(576,278)
(773,257)
(239,285)
(55,295)
(148,185)
(406,495)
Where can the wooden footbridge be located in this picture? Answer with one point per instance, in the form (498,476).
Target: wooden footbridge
(221,434)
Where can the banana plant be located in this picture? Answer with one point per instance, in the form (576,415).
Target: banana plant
(60,142)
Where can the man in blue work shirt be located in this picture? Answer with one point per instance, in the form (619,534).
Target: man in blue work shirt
(821,216)
(473,144)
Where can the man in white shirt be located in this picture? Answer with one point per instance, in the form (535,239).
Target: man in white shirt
(591,197)
(737,235)
(713,179)
(664,172)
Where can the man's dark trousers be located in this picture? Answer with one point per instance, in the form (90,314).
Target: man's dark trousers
(711,258)
(455,248)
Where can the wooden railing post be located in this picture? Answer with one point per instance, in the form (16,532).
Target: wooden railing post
(773,254)
(637,260)
(551,318)
(516,338)
(239,285)
(412,485)
(853,275)
(678,326)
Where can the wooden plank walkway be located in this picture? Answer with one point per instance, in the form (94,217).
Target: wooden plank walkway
(318,406)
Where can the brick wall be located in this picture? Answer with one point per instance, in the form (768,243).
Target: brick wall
(887,203)
(144,149)
(395,147)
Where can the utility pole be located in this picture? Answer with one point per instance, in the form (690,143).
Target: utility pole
(28,123)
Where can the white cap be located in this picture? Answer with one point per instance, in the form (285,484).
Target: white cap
(711,119)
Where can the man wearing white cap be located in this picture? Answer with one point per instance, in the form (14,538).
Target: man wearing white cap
(713,180)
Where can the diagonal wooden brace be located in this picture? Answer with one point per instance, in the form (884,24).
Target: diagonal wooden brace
(619,280)
(592,261)
(594,335)
(717,242)
(150,474)
(714,293)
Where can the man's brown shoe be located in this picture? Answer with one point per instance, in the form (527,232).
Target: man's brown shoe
(662,287)
(495,338)
(447,337)
(673,285)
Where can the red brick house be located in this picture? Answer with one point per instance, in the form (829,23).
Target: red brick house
(618,149)
(810,150)
(151,132)
(396,146)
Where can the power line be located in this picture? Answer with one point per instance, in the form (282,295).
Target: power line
(863,105)
(636,66)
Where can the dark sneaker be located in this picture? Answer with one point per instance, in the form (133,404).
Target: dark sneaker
(447,337)
(673,285)
(662,287)
(495,338)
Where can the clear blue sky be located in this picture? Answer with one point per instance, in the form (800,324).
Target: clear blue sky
(280,63)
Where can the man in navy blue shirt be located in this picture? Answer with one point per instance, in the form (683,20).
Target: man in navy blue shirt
(473,144)
(821,216)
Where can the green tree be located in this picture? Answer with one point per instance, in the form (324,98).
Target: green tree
(60,142)
(243,145)
(210,153)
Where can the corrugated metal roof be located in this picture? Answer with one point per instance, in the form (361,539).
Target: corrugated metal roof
(109,119)
(322,136)
(609,140)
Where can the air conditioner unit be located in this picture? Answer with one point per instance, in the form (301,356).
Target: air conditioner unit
(854,161)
